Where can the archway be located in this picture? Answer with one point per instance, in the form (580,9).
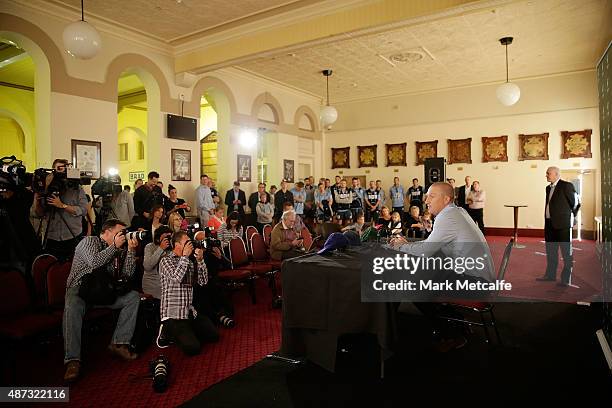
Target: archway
(132,126)
(22,103)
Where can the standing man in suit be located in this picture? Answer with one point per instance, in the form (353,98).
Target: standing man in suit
(235,200)
(561,206)
(463,192)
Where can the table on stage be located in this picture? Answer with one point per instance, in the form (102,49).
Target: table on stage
(515,233)
(322,301)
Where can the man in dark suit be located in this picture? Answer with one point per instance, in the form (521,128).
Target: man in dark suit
(463,192)
(235,200)
(561,206)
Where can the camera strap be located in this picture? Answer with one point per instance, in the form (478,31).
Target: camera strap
(61,214)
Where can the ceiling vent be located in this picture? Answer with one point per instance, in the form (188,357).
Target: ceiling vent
(410,56)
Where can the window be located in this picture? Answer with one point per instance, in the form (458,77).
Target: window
(140,150)
(123,152)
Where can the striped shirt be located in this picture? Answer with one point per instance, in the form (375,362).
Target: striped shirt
(175,273)
(92,253)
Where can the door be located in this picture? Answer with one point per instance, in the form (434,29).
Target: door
(584,183)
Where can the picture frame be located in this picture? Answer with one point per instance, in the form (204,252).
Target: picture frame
(576,144)
(533,147)
(396,154)
(243,167)
(341,158)
(426,150)
(460,151)
(87,156)
(495,149)
(289,170)
(367,156)
(180,165)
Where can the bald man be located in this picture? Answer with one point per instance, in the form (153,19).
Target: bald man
(561,208)
(454,233)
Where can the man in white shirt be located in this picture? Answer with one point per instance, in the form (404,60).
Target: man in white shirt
(454,233)
(204,201)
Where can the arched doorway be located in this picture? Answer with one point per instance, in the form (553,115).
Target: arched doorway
(18,107)
(132,126)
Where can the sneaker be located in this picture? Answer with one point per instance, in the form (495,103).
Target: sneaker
(122,351)
(73,371)
(161,341)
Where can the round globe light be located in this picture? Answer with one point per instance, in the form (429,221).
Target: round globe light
(329,115)
(82,40)
(508,93)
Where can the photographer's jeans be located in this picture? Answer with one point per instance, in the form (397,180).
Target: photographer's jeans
(74,310)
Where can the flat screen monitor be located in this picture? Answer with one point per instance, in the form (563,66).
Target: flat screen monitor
(180,127)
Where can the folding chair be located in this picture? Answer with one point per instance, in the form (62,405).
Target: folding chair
(262,257)
(250,230)
(267,234)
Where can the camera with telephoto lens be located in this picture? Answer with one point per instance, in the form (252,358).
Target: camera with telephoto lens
(138,235)
(160,370)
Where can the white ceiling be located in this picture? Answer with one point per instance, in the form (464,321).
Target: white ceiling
(550,36)
(170,20)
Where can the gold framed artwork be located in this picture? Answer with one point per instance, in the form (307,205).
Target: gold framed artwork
(533,147)
(426,150)
(495,149)
(396,154)
(576,144)
(366,156)
(460,151)
(341,158)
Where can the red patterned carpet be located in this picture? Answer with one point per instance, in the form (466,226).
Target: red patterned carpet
(108,382)
(527,264)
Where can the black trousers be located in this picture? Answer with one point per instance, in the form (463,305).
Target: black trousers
(477,215)
(189,334)
(558,239)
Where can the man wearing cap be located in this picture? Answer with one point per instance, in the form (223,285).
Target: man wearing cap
(285,242)
(235,199)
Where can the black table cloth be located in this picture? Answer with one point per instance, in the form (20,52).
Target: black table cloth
(322,301)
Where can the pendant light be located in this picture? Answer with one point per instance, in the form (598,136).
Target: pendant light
(329,114)
(508,93)
(81,39)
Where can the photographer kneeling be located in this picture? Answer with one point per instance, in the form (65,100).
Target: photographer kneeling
(95,258)
(178,275)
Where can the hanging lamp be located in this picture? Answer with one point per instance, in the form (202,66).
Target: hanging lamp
(81,39)
(508,93)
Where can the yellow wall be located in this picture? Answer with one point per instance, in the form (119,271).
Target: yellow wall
(12,138)
(18,105)
(132,128)
(547,105)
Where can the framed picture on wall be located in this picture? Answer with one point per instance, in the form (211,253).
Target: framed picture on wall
(244,168)
(367,156)
(87,156)
(495,149)
(289,170)
(460,151)
(341,158)
(576,144)
(533,147)
(396,154)
(181,165)
(426,150)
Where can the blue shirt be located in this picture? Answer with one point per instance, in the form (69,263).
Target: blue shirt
(397,196)
(204,199)
(301,195)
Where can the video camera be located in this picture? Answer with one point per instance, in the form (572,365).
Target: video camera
(106,186)
(13,174)
(202,238)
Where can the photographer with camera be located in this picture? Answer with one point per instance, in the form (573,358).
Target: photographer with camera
(100,262)
(63,204)
(145,197)
(179,272)
(153,253)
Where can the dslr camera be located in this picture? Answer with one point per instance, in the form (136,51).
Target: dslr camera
(160,369)
(202,238)
(138,235)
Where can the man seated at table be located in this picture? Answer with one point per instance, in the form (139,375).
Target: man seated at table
(285,242)
(454,235)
